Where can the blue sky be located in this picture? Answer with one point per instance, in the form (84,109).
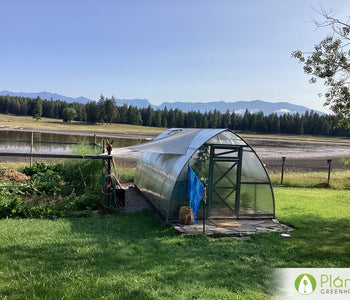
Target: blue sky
(162,50)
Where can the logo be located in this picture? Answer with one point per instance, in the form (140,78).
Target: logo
(305,284)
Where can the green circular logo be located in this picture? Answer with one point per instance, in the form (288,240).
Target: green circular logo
(305,284)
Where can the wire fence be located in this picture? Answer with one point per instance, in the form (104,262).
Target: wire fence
(303,164)
(286,166)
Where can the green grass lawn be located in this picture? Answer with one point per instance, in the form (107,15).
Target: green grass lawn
(136,256)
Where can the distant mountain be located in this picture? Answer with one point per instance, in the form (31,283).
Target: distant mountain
(140,103)
(238,107)
(46,95)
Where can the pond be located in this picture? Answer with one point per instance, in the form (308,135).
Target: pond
(266,148)
(20,141)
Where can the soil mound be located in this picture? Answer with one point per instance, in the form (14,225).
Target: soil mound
(13,175)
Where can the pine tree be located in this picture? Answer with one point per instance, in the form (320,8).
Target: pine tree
(110,109)
(101,109)
(38,109)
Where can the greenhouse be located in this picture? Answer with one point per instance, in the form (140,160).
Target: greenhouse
(236,181)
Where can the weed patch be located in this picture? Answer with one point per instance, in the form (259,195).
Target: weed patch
(53,191)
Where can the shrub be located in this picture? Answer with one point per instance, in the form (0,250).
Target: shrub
(74,185)
(39,167)
(85,201)
(11,204)
(43,183)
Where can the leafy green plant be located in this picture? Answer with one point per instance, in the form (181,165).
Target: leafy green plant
(43,211)
(40,167)
(55,190)
(11,204)
(43,183)
(82,202)
(200,162)
(346,162)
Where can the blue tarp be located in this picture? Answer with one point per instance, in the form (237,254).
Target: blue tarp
(194,191)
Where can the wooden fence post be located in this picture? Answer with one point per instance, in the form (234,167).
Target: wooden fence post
(95,142)
(31,148)
(329,162)
(283,167)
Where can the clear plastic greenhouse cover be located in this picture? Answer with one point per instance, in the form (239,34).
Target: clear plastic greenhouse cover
(237,183)
(171,143)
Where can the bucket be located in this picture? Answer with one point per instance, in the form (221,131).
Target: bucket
(186,215)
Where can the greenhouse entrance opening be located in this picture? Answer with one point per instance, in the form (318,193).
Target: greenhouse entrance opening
(224,180)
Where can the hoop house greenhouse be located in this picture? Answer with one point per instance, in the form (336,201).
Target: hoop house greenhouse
(238,185)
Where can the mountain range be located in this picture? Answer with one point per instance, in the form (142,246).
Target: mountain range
(46,95)
(239,107)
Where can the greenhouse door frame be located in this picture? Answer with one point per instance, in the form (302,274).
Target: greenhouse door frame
(233,154)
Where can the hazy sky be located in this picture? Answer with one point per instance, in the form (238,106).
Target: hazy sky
(162,50)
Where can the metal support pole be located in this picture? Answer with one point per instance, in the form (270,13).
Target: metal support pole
(329,162)
(204,204)
(109,150)
(109,172)
(283,167)
(203,217)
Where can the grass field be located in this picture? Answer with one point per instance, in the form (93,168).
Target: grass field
(56,124)
(135,256)
(339,179)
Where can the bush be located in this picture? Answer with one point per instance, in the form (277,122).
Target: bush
(44,183)
(55,190)
(82,202)
(39,167)
(11,204)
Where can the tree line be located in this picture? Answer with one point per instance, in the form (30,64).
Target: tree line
(106,111)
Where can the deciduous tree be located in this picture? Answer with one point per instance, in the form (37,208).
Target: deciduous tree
(330,62)
(69,113)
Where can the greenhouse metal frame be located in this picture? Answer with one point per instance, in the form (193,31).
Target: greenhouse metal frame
(237,183)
